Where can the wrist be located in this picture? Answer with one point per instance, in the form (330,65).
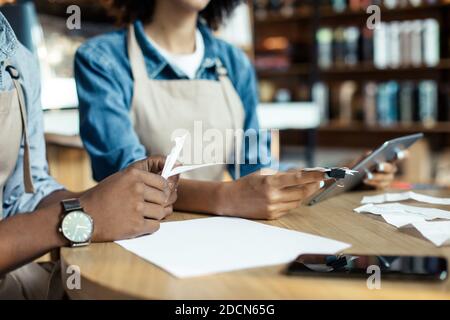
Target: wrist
(226,200)
(51,217)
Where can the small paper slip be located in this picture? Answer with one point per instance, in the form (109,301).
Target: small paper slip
(392,197)
(212,245)
(437,232)
(171,160)
(387,208)
(401,220)
(404,216)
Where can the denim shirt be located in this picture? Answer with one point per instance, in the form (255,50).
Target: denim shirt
(15,200)
(105,91)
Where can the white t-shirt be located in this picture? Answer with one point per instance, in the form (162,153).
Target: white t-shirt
(188,63)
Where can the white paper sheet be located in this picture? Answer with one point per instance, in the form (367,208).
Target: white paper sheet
(437,232)
(212,245)
(387,208)
(169,170)
(401,220)
(404,216)
(409,195)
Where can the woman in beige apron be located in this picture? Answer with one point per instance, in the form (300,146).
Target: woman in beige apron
(157,113)
(31,281)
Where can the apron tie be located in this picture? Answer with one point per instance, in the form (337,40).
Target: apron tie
(27,177)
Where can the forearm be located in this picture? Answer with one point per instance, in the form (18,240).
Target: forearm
(27,236)
(201,196)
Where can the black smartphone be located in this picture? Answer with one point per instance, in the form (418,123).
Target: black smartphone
(392,267)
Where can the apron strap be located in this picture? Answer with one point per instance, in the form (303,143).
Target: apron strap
(28,179)
(135,56)
(227,88)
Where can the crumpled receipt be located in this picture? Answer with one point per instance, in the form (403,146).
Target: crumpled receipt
(437,232)
(422,219)
(409,195)
(170,170)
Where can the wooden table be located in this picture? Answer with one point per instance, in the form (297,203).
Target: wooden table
(109,271)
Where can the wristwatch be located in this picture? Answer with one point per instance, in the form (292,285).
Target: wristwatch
(76,225)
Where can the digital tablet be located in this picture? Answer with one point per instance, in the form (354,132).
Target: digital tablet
(389,151)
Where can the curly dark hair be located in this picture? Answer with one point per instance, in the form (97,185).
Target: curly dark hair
(127,11)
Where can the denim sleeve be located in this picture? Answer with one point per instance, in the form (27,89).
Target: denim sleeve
(257,156)
(105,123)
(16,200)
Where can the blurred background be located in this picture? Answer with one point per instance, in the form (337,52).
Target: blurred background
(333,87)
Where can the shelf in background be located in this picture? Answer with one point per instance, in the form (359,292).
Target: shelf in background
(359,136)
(328,12)
(369,70)
(300,69)
(438,128)
(304,13)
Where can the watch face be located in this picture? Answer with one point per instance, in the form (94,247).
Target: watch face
(77,227)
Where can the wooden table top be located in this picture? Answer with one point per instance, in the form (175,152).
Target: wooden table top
(109,271)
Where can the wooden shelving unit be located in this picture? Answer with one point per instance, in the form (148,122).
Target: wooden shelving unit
(300,28)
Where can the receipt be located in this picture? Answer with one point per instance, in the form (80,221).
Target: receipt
(401,220)
(426,213)
(437,232)
(171,160)
(410,195)
(404,216)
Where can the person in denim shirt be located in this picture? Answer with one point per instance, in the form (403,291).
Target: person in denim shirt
(131,84)
(31,211)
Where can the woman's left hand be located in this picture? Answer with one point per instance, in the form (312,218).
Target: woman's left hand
(382,177)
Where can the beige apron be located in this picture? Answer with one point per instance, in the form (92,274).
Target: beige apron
(13,125)
(211,112)
(31,281)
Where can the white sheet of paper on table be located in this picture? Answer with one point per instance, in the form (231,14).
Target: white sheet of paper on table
(212,245)
(172,157)
(409,195)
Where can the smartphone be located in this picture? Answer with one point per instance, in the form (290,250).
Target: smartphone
(392,267)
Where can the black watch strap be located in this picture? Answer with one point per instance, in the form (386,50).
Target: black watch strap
(70,205)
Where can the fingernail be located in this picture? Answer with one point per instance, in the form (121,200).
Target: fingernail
(369,176)
(322,184)
(380,167)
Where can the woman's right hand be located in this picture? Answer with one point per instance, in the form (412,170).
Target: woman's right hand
(259,196)
(128,204)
